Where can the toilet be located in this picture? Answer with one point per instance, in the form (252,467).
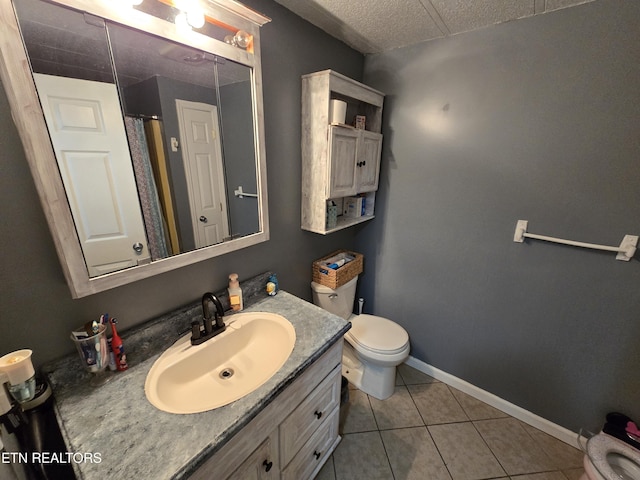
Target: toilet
(374,345)
(608,458)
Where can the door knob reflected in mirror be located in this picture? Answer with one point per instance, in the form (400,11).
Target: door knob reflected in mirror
(203,219)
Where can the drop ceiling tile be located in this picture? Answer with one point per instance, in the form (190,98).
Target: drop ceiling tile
(372,26)
(558,4)
(465,15)
(386,24)
(336,27)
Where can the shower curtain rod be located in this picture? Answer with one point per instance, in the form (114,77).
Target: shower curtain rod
(143,116)
(625,251)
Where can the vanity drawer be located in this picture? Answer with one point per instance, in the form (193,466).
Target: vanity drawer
(309,415)
(316,451)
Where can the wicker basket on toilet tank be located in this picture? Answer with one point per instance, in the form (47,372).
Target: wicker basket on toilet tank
(331,278)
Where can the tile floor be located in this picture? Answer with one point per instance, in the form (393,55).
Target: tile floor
(428,430)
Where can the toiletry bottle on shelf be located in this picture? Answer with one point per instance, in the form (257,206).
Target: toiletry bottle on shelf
(235,293)
(118,348)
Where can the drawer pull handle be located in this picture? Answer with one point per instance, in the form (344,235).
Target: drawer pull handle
(267,465)
(317,454)
(318,414)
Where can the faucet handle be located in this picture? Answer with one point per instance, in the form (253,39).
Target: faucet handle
(195,330)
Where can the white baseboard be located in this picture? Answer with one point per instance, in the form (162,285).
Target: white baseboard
(509,408)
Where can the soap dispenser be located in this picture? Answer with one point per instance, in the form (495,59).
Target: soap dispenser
(235,293)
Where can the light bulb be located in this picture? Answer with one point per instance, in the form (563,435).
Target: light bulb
(181,22)
(230,39)
(242,39)
(195,17)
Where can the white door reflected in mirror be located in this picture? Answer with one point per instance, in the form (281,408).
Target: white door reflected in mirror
(88,136)
(202,158)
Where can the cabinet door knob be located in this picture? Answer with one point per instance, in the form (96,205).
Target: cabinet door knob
(138,247)
(267,465)
(203,219)
(317,414)
(317,454)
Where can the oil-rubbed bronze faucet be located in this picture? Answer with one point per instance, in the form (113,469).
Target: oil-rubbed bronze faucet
(209,330)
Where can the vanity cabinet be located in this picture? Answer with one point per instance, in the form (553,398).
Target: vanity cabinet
(290,438)
(338,160)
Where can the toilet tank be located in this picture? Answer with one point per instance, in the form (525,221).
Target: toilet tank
(338,301)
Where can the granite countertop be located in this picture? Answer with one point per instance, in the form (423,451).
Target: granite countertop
(136,440)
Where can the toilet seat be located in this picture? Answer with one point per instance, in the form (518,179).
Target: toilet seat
(600,446)
(377,335)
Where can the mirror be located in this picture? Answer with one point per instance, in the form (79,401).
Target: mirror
(155,132)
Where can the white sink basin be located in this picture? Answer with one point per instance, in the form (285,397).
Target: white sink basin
(192,379)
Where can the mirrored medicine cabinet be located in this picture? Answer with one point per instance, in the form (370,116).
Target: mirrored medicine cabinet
(142,122)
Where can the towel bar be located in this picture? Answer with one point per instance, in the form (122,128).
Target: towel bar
(625,251)
(240,193)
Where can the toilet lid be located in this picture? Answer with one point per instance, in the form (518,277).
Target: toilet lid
(377,334)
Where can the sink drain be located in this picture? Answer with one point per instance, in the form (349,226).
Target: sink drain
(226,373)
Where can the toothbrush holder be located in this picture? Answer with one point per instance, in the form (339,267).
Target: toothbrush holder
(93,350)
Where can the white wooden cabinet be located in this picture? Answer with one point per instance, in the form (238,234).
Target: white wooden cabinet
(338,161)
(293,436)
(354,161)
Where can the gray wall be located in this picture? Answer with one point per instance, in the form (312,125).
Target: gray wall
(536,120)
(239,157)
(36,308)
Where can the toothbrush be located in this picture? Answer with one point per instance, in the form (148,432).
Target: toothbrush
(95,327)
(98,355)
